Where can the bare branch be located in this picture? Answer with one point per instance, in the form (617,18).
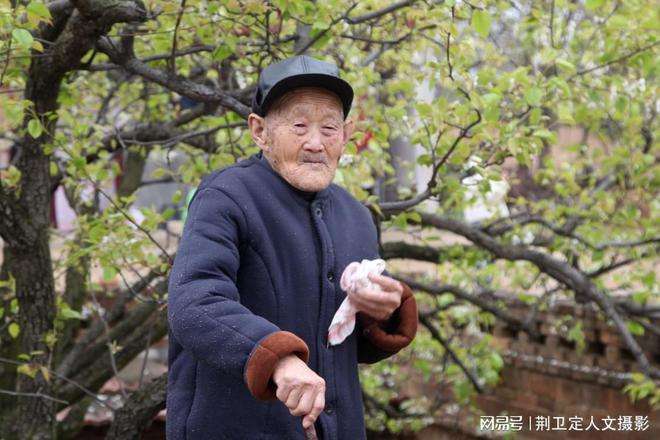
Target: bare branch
(614,61)
(100,67)
(72,383)
(377,14)
(391,208)
(473,299)
(125,57)
(172,59)
(563,272)
(100,371)
(139,410)
(436,335)
(132,321)
(74,355)
(37,395)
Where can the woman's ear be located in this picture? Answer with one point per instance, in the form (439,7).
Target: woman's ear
(257,126)
(349,128)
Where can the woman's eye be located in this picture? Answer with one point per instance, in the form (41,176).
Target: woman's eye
(330,127)
(299,125)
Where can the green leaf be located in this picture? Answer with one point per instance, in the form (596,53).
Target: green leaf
(168,213)
(22,37)
(97,233)
(565,113)
(400,220)
(496,360)
(109,273)
(14,329)
(565,65)
(463,390)
(492,114)
(445,299)
(481,22)
(34,128)
(424,110)
(321,42)
(640,297)
(45,372)
(37,46)
(491,98)
(27,369)
(158,173)
(543,133)
(526,298)
(221,52)
(635,328)
(38,9)
(533,96)
(576,334)
(649,279)
(69,313)
(176,197)
(78,162)
(593,4)
(424,159)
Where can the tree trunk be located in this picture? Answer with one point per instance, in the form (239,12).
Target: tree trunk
(139,410)
(30,265)
(29,259)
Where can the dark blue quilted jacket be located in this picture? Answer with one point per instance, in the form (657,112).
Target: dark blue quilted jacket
(256,278)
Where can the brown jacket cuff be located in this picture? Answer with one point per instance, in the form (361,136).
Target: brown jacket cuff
(396,332)
(264,357)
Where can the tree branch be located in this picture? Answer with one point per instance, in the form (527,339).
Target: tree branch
(97,373)
(563,272)
(377,14)
(436,335)
(473,299)
(139,410)
(614,61)
(125,57)
(74,355)
(391,208)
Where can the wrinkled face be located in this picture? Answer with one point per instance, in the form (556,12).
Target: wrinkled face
(303,136)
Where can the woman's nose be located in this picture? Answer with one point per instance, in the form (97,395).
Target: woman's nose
(315,141)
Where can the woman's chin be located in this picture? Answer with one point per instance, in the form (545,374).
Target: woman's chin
(311,184)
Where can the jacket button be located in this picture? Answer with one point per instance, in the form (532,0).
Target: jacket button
(331,276)
(318,212)
(329,410)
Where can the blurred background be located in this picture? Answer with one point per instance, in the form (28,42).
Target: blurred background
(506,149)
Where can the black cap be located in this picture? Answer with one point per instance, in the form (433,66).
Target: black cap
(299,71)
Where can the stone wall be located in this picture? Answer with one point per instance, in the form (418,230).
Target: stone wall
(550,378)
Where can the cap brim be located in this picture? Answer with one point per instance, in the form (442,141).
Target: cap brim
(336,85)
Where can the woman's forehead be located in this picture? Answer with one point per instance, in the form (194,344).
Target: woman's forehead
(306,101)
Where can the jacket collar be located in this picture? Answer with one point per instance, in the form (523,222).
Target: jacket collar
(260,160)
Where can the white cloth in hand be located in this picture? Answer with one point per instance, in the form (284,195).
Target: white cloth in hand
(353,278)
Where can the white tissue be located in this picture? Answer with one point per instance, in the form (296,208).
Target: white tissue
(353,278)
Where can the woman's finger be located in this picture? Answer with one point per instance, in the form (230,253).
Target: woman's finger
(293,399)
(319,404)
(365,304)
(378,297)
(376,310)
(283,392)
(306,402)
(387,283)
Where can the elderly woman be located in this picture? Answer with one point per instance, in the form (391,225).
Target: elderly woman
(255,283)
